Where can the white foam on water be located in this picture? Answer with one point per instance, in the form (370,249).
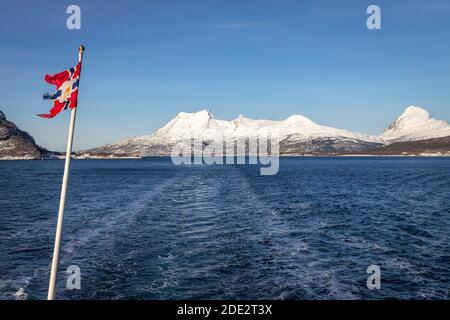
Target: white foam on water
(120,218)
(21,294)
(14,288)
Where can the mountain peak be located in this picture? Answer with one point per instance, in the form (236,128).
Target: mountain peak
(185,124)
(202,114)
(205,113)
(412,116)
(2,115)
(413,111)
(299,119)
(415,123)
(241,118)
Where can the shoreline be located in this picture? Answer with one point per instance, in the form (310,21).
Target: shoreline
(280,156)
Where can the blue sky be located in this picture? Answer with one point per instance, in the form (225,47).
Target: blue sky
(148,60)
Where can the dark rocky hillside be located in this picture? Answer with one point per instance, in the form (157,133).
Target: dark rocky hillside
(423,147)
(17,144)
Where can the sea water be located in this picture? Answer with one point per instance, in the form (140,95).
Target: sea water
(148,229)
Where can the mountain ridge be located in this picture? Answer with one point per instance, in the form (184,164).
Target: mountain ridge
(413,132)
(298,134)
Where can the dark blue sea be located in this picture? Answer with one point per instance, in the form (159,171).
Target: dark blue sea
(147,229)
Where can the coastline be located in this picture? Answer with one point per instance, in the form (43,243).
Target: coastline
(425,155)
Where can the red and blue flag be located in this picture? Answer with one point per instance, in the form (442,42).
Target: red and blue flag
(66,94)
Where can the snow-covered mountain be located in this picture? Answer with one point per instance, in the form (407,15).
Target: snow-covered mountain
(415,124)
(297,134)
(203,125)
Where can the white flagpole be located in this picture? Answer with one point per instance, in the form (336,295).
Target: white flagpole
(62,200)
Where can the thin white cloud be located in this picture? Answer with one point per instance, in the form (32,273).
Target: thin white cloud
(242,25)
(424,8)
(437,8)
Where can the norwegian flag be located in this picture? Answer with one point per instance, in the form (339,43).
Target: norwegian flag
(66,94)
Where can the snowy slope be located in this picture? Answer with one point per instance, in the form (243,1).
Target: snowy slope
(415,124)
(297,134)
(204,126)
